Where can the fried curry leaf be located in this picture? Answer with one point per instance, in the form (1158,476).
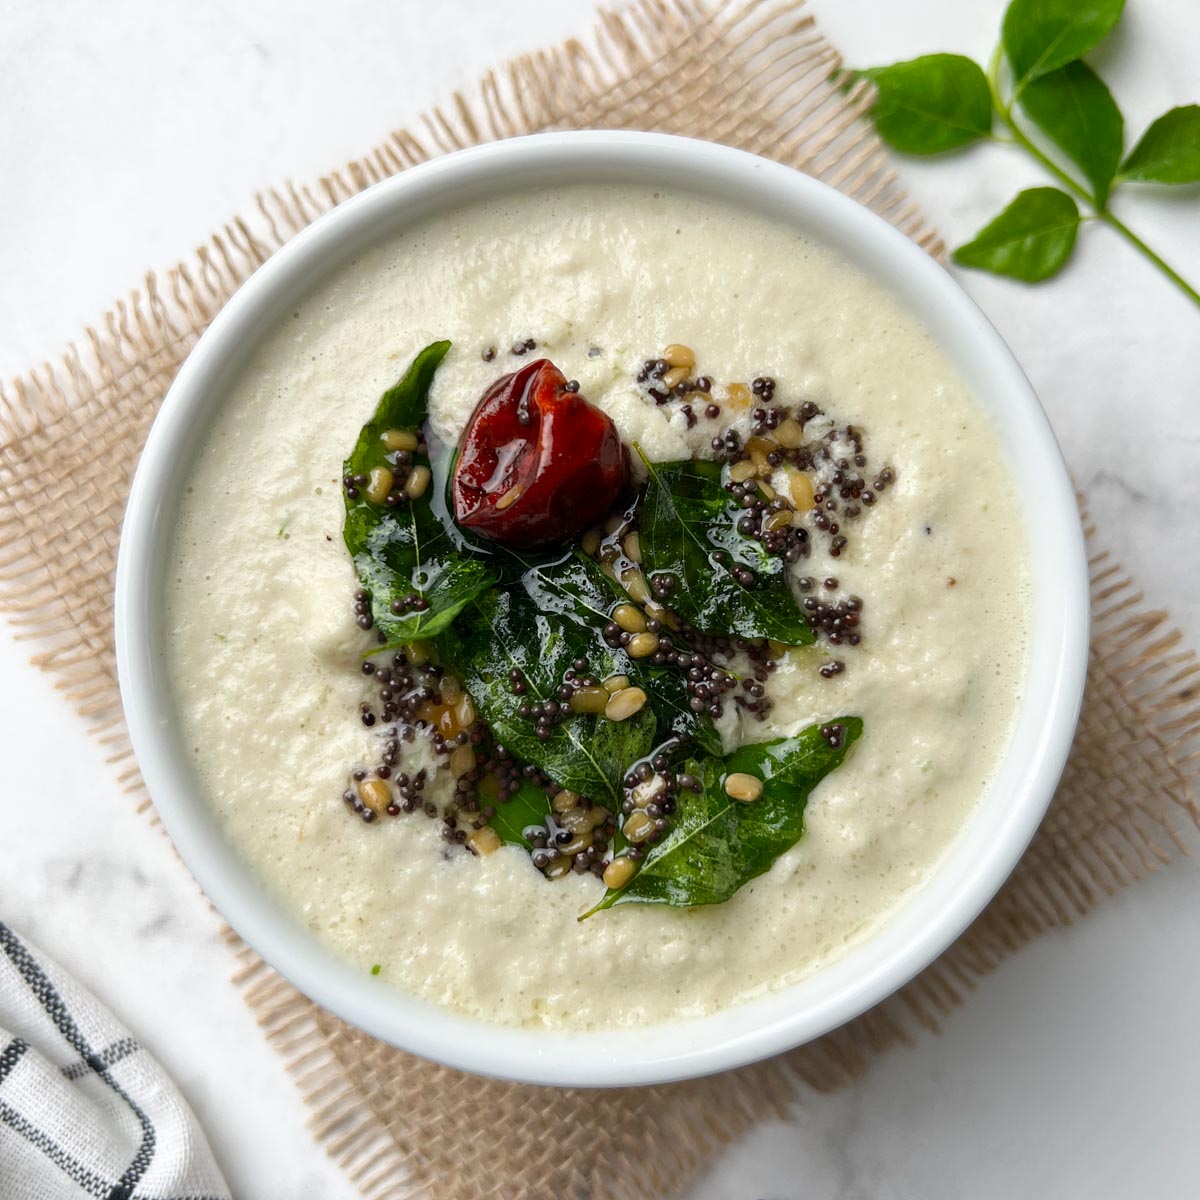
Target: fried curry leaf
(579,586)
(670,700)
(570,597)
(527,806)
(688,530)
(541,624)
(717,844)
(521,627)
(414,547)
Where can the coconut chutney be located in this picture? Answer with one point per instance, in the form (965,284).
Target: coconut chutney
(264,652)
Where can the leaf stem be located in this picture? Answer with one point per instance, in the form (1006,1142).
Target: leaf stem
(993,80)
(1099,211)
(1135,241)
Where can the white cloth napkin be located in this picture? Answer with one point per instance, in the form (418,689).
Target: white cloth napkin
(84,1110)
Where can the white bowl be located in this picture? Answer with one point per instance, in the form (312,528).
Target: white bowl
(980,858)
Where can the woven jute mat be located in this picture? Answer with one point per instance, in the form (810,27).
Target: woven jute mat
(754,75)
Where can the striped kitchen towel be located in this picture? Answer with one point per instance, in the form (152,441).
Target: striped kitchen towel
(84,1110)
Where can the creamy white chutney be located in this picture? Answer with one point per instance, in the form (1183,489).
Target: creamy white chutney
(264,651)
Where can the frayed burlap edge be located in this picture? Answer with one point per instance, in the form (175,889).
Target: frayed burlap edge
(754,75)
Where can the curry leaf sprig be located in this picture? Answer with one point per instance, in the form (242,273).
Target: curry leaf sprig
(1053,106)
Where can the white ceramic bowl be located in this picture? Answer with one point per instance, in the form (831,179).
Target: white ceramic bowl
(979,860)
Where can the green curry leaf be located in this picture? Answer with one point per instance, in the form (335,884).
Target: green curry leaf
(1030,240)
(1042,35)
(717,845)
(1169,151)
(931,104)
(687,520)
(1075,110)
(415,546)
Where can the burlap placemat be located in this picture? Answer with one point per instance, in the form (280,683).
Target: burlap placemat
(755,75)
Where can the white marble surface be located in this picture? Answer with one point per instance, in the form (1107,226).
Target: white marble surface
(130,130)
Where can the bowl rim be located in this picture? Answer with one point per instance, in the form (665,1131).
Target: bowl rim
(912,935)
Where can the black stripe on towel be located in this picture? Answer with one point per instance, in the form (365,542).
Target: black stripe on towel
(47,995)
